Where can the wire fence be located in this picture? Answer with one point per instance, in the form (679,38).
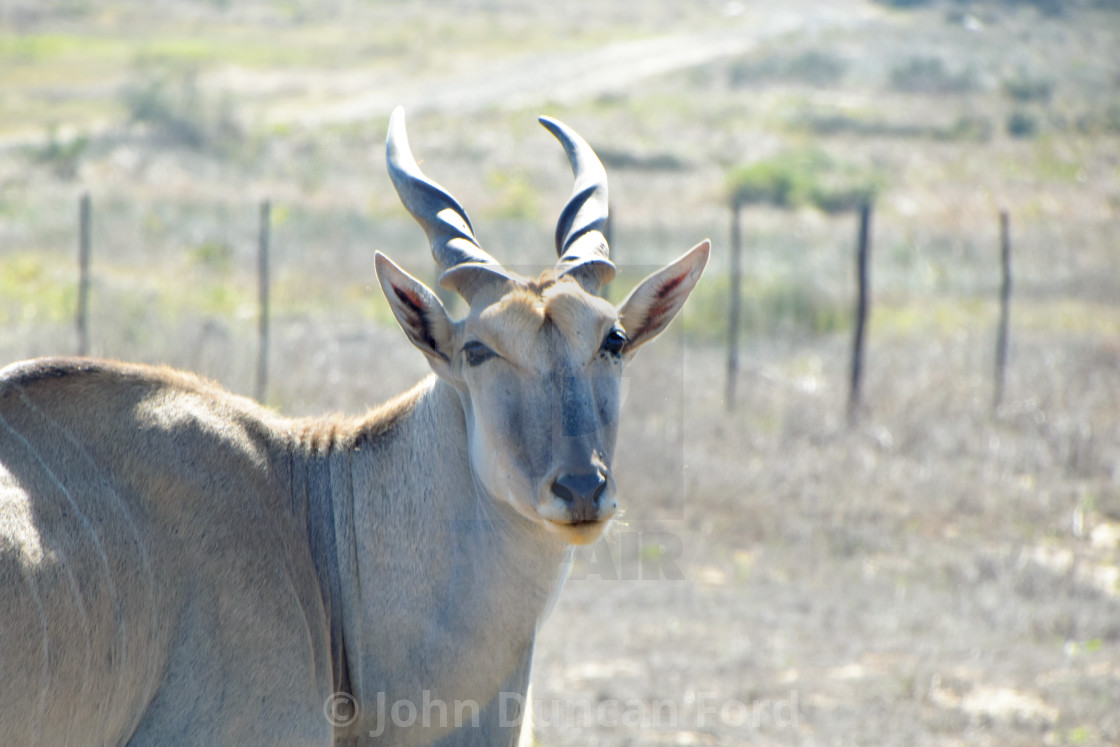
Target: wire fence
(215,274)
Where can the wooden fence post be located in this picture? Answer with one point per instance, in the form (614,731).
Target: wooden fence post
(863,303)
(83,273)
(1003,331)
(734,306)
(262,276)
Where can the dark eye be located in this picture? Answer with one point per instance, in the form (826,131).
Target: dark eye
(475,353)
(615,342)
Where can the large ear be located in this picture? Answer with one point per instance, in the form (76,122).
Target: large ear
(418,311)
(650,307)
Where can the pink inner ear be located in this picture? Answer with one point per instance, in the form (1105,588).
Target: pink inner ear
(663,302)
(417,320)
(670,286)
(409,299)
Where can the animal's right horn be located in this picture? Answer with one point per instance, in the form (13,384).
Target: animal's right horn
(465,264)
(581,242)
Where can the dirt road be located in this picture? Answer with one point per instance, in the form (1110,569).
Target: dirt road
(567,77)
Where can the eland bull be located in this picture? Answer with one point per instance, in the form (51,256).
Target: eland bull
(179,565)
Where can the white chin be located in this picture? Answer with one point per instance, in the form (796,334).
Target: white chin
(580,533)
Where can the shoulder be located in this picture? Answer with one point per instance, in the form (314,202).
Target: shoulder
(40,370)
(119,411)
(89,388)
(64,372)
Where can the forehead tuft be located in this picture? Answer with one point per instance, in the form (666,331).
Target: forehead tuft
(573,310)
(543,283)
(531,306)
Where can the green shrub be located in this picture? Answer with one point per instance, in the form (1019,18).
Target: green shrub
(843,191)
(1112,118)
(796,178)
(975,129)
(213,255)
(818,68)
(1101,120)
(172,105)
(1046,7)
(1022,124)
(1025,88)
(964,128)
(814,67)
(774,182)
(617,158)
(929,75)
(61,156)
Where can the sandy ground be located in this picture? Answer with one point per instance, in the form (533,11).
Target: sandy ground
(911,581)
(936,575)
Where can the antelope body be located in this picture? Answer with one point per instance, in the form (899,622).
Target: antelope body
(181,566)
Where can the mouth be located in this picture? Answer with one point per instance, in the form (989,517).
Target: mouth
(582,532)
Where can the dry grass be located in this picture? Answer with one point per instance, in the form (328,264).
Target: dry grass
(937,575)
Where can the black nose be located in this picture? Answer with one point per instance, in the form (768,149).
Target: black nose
(583,492)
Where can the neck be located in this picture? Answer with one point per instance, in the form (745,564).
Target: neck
(434,588)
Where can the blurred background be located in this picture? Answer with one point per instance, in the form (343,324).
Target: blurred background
(939,568)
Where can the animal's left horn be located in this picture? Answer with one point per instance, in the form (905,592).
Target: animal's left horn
(581,242)
(441,216)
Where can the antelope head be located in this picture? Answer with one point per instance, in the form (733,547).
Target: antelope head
(537,362)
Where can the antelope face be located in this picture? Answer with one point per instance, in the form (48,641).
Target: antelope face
(542,367)
(537,363)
